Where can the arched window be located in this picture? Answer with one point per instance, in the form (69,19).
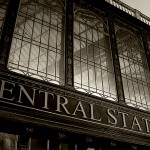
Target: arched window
(134,70)
(93,69)
(37,48)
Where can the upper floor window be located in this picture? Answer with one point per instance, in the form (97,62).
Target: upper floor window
(93,69)
(3,8)
(37,48)
(134,69)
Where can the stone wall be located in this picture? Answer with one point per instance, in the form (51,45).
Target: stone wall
(8,141)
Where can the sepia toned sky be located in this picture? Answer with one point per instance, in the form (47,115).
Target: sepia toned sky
(142,5)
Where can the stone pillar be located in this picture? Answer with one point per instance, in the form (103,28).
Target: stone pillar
(69,70)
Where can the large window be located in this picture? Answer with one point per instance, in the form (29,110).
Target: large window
(134,70)
(3,8)
(37,51)
(37,48)
(93,69)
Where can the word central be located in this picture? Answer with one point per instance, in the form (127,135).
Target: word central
(60,104)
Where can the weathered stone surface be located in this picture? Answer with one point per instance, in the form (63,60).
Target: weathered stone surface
(8,141)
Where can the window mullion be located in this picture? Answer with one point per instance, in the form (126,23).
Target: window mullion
(69,71)
(7,33)
(117,71)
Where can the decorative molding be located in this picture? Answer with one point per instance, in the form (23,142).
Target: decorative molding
(113,144)
(122,25)
(89,140)
(82,5)
(61,135)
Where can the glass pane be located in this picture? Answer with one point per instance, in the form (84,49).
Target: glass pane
(37,47)
(46,144)
(134,70)
(93,68)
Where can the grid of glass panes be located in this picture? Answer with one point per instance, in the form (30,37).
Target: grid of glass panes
(37,46)
(134,69)
(3,8)
(93,69)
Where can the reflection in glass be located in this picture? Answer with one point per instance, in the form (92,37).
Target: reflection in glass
(37,46)
(93,69)
(134,70)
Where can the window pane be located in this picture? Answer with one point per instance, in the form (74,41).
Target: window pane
(92,56)
(38,144)
(42,143)
(134,70)
(37,46)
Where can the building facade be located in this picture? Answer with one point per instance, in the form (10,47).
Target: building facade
(74,75)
